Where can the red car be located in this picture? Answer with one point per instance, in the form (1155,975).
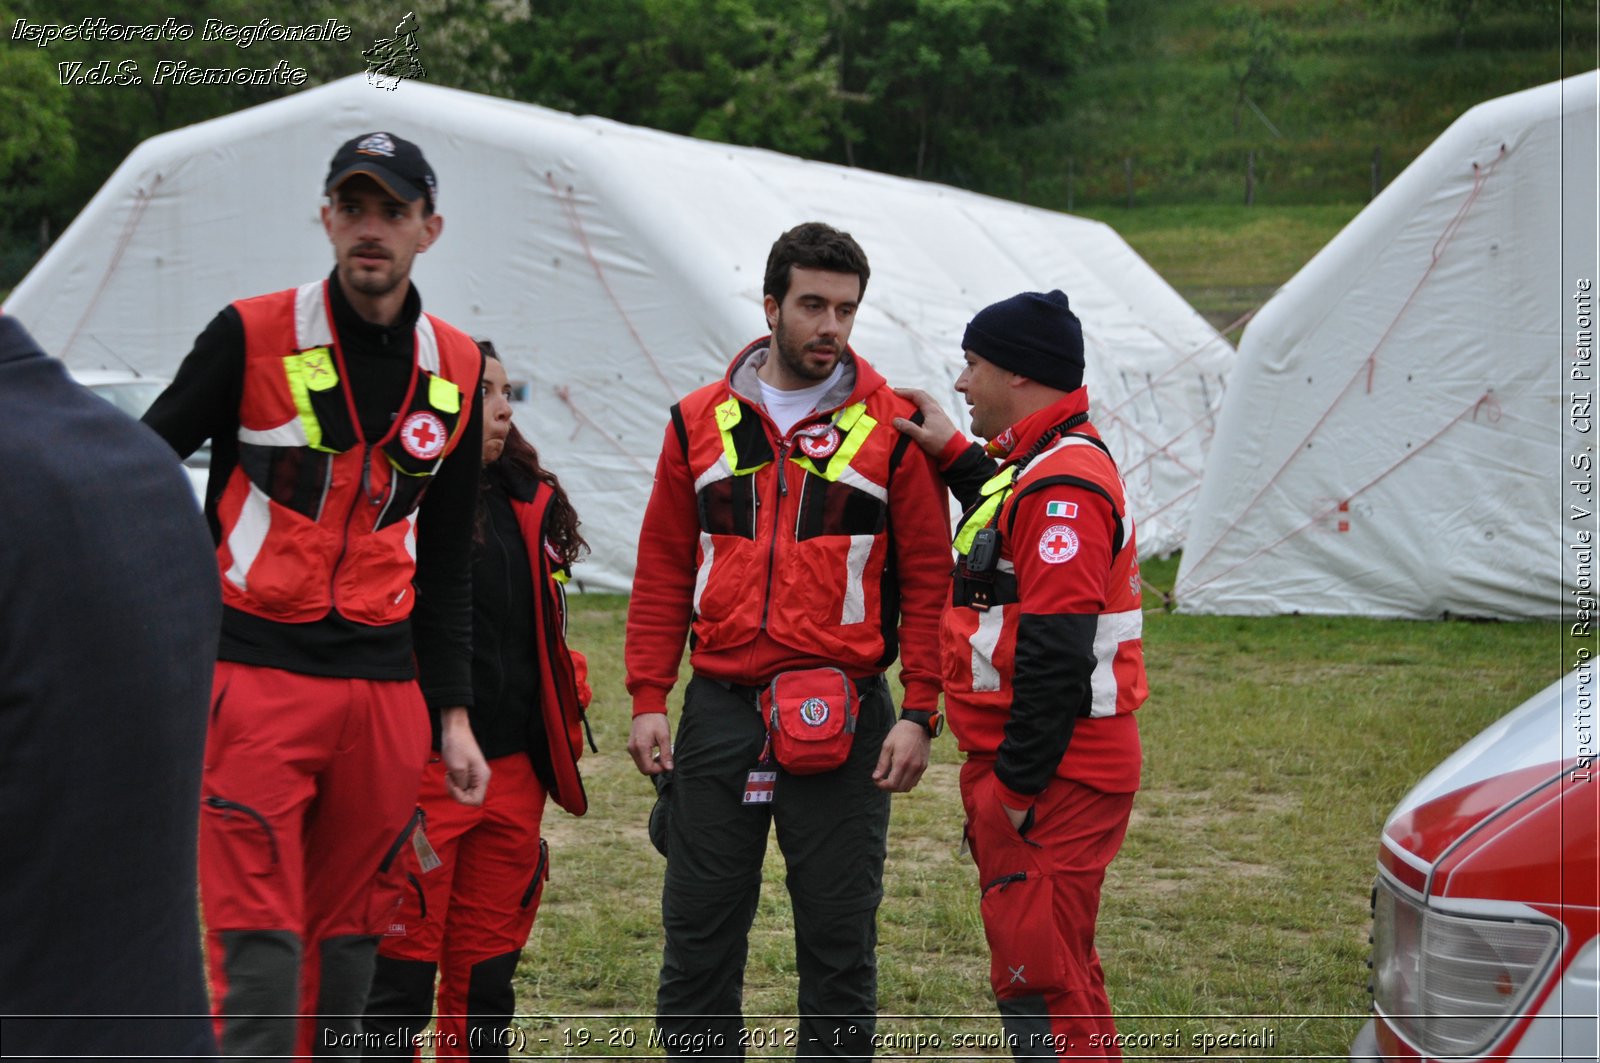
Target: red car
(1486,912)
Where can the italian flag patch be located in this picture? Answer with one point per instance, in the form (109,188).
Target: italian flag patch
(1061,509)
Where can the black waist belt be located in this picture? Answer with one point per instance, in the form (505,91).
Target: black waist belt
(863,686)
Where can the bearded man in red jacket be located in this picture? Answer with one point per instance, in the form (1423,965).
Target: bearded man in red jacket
(802,538)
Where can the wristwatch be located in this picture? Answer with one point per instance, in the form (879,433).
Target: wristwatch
(932,722)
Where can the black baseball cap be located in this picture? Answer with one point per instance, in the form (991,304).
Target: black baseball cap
(393,162)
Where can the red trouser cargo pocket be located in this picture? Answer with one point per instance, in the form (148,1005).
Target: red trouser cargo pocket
(397,883)
(244,839)
(541,875)
(1026,956)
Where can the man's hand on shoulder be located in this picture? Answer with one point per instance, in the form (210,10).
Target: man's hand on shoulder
(650,743)
(466,772)
(936,428)
(904,757)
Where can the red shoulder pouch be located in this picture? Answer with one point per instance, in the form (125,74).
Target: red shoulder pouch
(811,719)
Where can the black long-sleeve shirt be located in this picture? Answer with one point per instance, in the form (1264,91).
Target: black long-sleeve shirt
(505,659)
(435,644)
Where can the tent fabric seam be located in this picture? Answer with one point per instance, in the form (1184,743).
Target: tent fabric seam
(1368,367)
(1316,517)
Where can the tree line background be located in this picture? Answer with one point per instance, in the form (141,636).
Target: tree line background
(1058,103)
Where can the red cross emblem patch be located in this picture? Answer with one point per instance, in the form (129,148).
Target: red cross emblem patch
(423,435)
(1058,543)
(819,441)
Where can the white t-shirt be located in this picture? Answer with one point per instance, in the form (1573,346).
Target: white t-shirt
(787,407)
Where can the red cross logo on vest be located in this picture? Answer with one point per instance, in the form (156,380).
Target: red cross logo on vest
(819,441)
(1058,543)
(423,435)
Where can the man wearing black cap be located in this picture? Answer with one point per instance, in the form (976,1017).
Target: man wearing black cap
(1043,665)
(337,497)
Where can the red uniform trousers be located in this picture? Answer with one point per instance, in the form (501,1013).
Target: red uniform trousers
(308,781)
(468,918)
(1041,897)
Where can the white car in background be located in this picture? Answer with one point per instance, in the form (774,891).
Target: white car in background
(133,394)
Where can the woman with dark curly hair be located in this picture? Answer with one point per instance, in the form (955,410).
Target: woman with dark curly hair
(467,895)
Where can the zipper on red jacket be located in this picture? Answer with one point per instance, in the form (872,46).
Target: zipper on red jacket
(781,463)
(784,448)
(367,448)
(344,538)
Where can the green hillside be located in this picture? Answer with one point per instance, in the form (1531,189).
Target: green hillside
(1226,260)
(1133,104)
(1355,78)
(1336,81)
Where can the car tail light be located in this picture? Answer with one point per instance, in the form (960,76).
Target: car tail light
(1450,983)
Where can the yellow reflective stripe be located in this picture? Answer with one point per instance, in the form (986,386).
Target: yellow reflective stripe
(443,395)
(999,480)
(308,371)
(860,427)
(853,420)
(995,491)
(395,465)
(849,415)
(728,414)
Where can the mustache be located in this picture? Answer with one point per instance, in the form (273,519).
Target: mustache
(371,251)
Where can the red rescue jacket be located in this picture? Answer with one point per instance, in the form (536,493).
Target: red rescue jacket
(315,516)
(1062,645)
(789,552)
(563,672)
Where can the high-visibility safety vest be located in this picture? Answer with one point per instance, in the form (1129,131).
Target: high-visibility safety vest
(315,516)
(979,647)
(794,538)
(561,671)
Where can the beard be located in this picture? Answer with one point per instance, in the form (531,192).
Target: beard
(373,280)
(792,356)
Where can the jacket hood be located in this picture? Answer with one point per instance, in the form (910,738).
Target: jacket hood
(856,382)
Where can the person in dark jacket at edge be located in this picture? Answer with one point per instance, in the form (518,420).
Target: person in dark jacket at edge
(465,911)
(1043,663)
(108,628)
(339,497)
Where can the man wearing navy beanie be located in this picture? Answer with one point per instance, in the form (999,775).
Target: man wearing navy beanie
(1043,664)
(1034,334)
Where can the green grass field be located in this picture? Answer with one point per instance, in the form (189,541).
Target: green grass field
(1159,96)
(1226,260)
(1274,749)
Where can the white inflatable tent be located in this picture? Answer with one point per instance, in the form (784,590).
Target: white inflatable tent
(1391,442)
(616,269)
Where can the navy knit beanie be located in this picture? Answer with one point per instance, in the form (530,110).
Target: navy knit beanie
(1034,334)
